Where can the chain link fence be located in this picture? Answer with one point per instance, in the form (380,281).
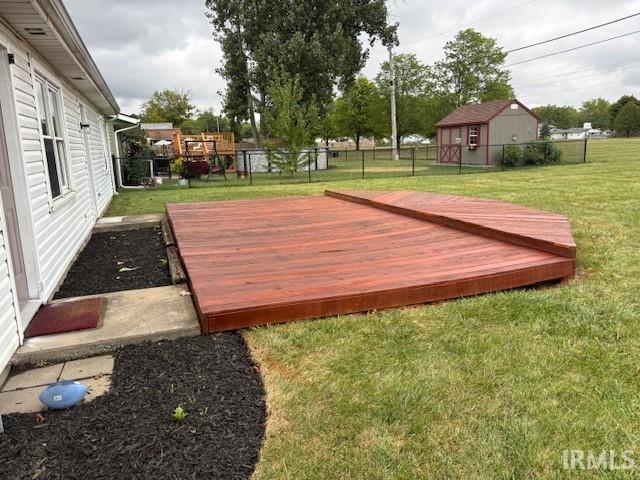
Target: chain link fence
(255,167)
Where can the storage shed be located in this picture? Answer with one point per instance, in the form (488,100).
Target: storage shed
(474,134)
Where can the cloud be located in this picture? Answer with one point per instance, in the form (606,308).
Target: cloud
(148,45)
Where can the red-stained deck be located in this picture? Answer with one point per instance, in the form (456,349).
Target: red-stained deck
(253,262)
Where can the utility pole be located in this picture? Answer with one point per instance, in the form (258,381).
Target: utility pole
(392,87)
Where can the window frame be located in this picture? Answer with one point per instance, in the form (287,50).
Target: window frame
(476,135)
(48,97)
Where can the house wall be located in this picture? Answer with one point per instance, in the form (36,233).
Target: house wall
(9,335)
(58,229)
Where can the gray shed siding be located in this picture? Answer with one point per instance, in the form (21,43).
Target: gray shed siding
(510,122)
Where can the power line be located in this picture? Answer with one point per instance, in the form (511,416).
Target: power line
(567,77)
(586,87)
(573,33)
(572,49)
(501,12)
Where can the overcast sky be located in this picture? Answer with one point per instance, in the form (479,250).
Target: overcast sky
(146,45)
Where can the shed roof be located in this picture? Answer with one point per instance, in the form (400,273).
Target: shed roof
(475,113)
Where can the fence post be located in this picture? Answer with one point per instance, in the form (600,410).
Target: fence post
(315,153)
(362,154)
(584,154)
(413,161)
(459,159)
(309,165)
(250,174)
(374,152)
(244,161)
(546,144)
(346,154)
(502,162)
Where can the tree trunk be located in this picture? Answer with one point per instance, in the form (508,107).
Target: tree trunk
(247,84)
(399,144)
(252,117)
(357,142)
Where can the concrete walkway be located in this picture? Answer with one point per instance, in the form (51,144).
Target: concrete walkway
(131,316)
(128,222)
(21,392)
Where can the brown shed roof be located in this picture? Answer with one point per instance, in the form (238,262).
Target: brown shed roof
(478,113)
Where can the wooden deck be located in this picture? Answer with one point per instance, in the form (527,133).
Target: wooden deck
(254,262)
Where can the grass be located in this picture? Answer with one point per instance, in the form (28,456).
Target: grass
(494,386)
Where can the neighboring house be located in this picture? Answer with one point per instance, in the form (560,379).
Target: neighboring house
(569,133)
(576,133)
(55,158)
(158,131)
(474,134)
(155,132)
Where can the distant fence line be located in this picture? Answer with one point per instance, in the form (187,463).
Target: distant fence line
(254,166)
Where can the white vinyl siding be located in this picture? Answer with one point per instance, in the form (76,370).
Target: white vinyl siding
(59,229)
(9,339)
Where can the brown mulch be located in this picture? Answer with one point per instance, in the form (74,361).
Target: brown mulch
(130,433)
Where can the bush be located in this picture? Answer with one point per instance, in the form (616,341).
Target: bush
(541,153)
(135,170)
(512,156)
(176,168)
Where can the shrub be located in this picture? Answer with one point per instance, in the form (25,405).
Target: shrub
(541,153)
(176,169)
(135,171)
(512,156)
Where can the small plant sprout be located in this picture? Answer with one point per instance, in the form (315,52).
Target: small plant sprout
(179,414)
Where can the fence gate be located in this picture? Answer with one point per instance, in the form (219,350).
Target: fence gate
(450,153)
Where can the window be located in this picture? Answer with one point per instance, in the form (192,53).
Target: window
(50,119)
(473,136)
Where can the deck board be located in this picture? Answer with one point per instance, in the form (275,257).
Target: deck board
(252,262)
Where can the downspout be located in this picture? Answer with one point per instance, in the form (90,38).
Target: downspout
(118,157)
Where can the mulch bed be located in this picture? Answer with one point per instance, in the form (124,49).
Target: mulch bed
(129,432)
(115,261)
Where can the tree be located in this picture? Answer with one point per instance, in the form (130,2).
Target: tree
(415,93)
(205,121)
(558,116)
(360,112)
(596,111)
(473,69)
(319,43)
(326,124)
(617,106)
(167,106)
(545,132)
(290,120)
(628,119)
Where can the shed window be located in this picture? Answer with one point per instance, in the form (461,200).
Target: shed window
(50,120)
(473,136)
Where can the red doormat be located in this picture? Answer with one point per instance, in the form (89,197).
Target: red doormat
(68,316)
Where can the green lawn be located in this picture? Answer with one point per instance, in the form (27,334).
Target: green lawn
(494,386)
